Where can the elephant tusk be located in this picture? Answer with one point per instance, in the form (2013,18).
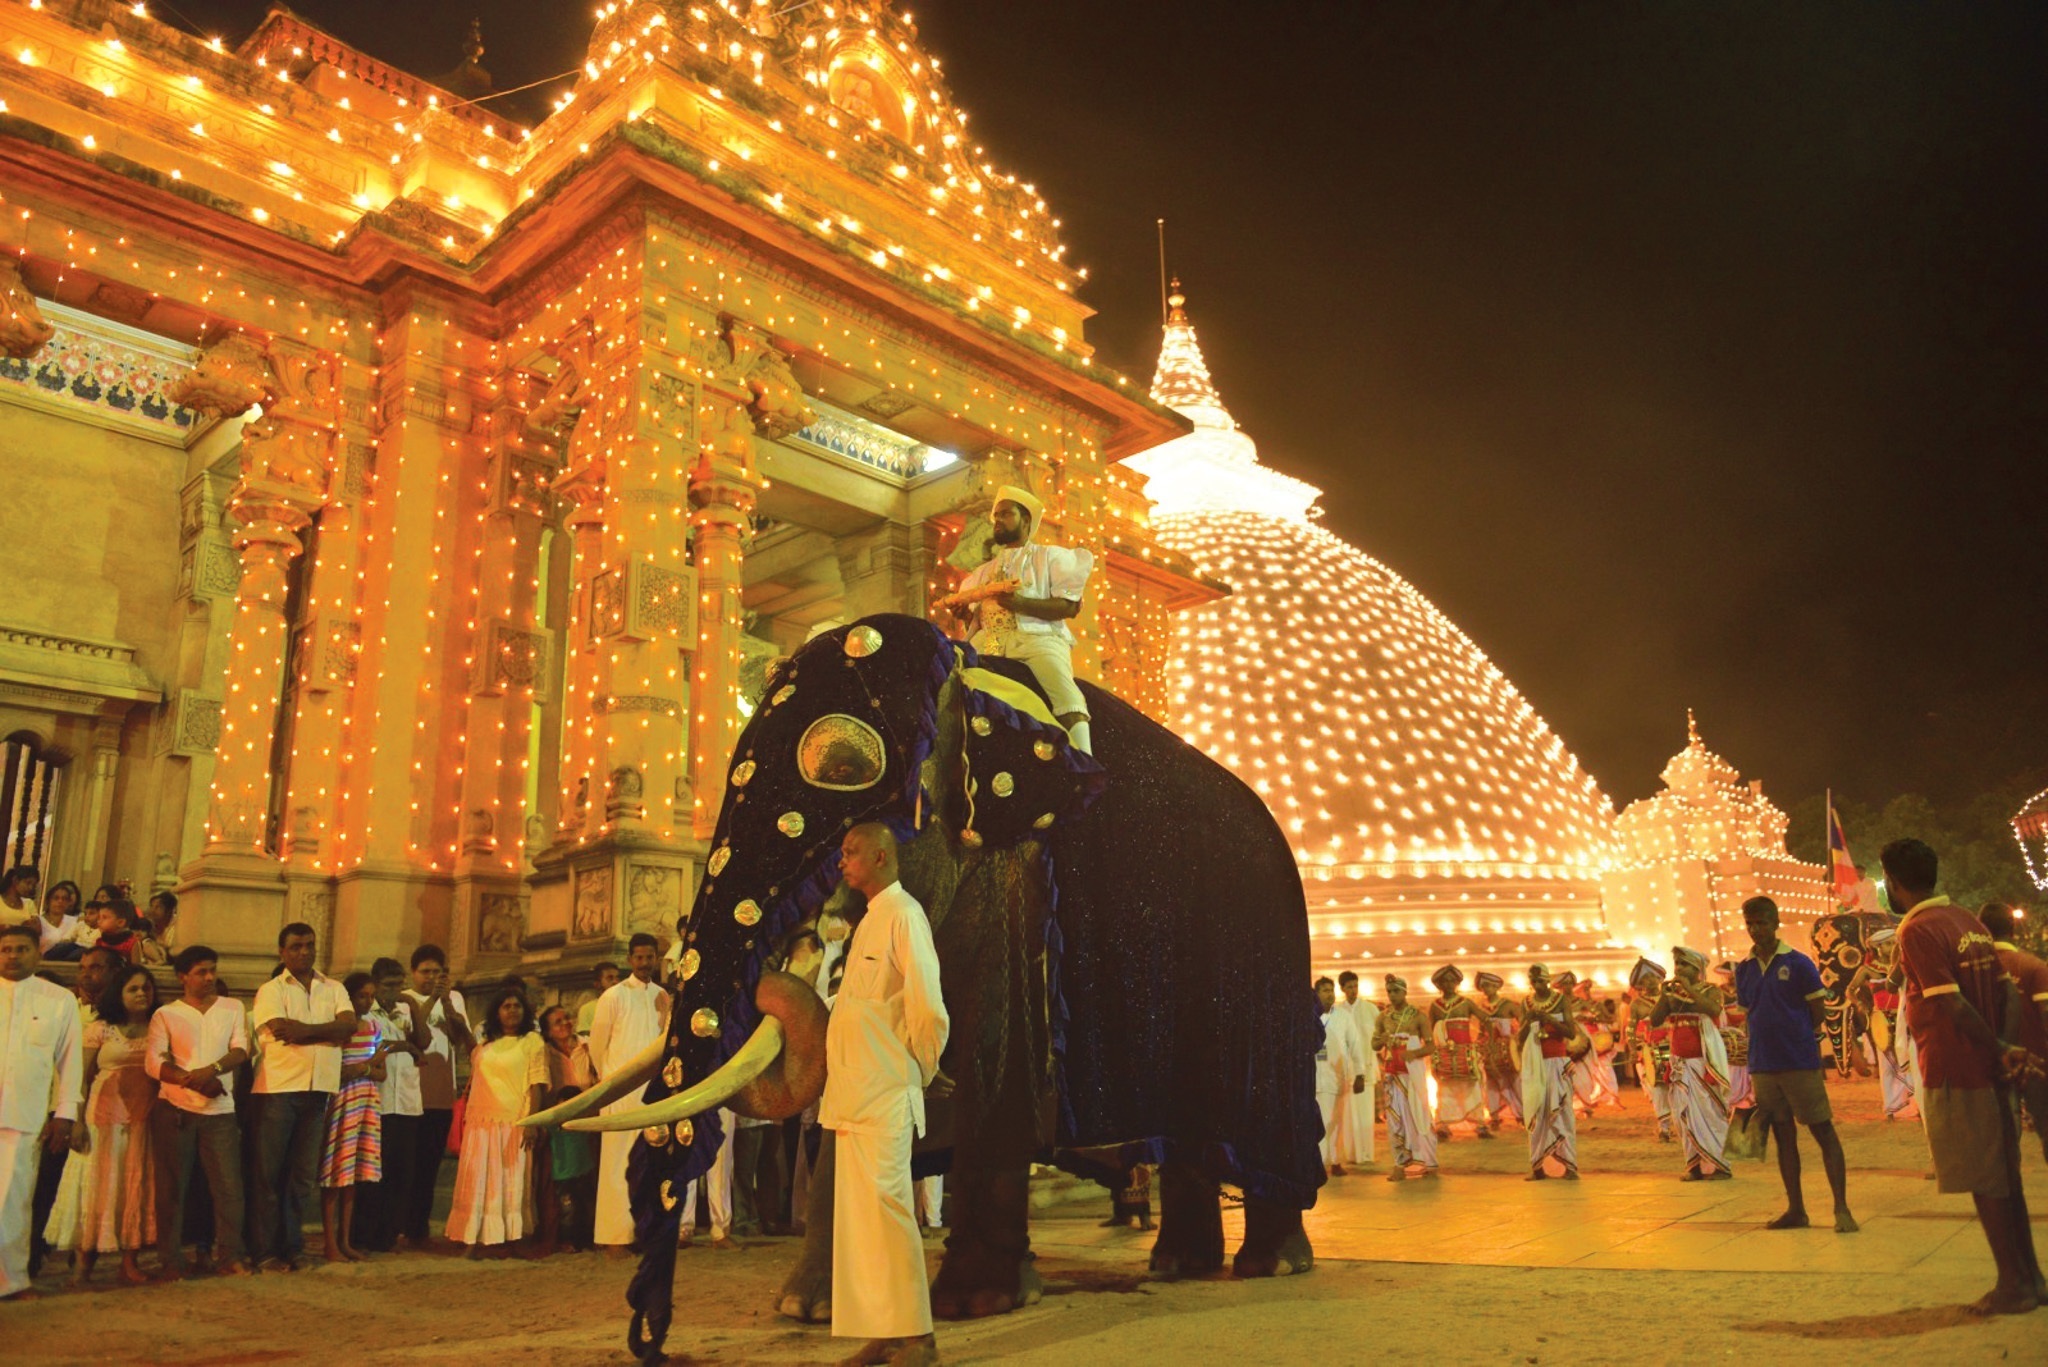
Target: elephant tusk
(754,1058)
(637,1073)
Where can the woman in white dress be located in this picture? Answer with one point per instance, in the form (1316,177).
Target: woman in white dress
(508,1077)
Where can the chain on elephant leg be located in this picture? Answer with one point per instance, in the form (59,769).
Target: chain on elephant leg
(1190,1242)
(807,1294)
(1275,1244)
(988,1264)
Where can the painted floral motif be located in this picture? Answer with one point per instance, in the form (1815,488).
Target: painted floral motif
(103,374)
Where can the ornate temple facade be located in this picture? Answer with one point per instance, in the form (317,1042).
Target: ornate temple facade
(399,503)
(1693,854)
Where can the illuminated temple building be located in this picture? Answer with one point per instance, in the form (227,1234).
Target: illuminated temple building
(1436,818)
(400,505)
(398,501)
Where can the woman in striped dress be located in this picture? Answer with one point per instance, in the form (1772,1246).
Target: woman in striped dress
(355,1132)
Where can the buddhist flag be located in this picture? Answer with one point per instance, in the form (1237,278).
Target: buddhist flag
(1844,868)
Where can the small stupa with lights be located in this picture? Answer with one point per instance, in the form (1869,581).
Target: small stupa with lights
(1436,818)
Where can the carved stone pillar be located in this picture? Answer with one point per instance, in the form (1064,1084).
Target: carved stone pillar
(236,889)
(748,389)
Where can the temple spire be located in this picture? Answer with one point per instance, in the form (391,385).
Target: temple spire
(1182,380)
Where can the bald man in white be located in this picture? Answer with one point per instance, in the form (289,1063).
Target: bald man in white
(882,1050)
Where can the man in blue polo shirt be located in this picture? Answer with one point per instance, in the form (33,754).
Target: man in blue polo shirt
(1780,989)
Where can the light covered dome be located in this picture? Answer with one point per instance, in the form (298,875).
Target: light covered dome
(1433,812)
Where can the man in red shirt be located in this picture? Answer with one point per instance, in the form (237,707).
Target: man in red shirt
(1961,1008)
(2030,976)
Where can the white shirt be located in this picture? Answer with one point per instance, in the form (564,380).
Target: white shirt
(282,1067)
(630,1016)
(889,1021)
(1339,1056)
(180,1033)
(57,934)
(1365,1019)
(399,1092)
(437,1069)
(1040,572)
(42,1057)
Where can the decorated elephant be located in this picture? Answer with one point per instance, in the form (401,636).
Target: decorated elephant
(1123,947)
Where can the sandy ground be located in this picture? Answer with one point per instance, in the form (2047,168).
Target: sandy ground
(1628,1266)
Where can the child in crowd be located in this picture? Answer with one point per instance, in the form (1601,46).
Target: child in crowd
(354,1153)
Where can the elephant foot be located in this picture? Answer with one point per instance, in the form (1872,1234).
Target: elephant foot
(963,1297)
(1190,1242)
(793,1306)
(1275,1244)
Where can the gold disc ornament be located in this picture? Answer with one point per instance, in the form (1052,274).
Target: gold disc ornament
(841,754)
(790,824)
(747,913)
(704,1022)
(862,642)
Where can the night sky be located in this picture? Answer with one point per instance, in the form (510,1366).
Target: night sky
(1684,354)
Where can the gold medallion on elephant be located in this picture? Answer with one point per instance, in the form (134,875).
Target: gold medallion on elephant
(704,1022)
(982,726)
(971,838)
(862,642)
(1044,822)
(655,1135)
(747,913)
(1044,749)
(1002,785)
(782,695)
(841,754)
(720,857)
(691,962)
(672,1074)
(686,1133)
(743,773)
(790,824)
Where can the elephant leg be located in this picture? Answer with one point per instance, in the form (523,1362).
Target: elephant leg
(1190,1242)
(987,1268)
(807,1294)
(1275,1244)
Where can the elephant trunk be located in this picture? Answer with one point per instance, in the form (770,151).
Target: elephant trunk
(776,1074)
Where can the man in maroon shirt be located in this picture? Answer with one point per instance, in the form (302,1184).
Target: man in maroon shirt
(1961,1008)
(2030,976)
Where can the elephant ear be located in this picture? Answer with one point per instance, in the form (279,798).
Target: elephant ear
(1023,776)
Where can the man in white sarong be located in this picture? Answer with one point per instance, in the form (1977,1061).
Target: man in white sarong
(1691,1007)
(1340,1073)
(1355,1111)
(882,1049)
(1882,980)
(631,1015)
(1402,1041)
(1028,624)
(1456,1029)
(1550,1036)
(1501,1018)
(42,1071)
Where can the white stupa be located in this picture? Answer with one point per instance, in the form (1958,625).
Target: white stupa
(1435,816)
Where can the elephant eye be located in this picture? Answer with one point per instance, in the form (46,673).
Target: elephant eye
(841,753)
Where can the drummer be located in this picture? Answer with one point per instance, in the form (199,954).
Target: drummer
(1028,623)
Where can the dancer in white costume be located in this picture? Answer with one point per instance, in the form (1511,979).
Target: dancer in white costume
(1502,1017)
(1550,1036)
(1401,1039)
(1691,1008)
(1028,624)
(1456,1028)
